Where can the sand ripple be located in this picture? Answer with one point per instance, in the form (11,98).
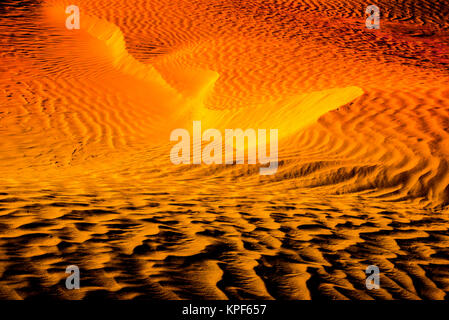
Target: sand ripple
(85,176)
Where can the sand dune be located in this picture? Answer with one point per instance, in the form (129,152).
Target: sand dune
(86,179)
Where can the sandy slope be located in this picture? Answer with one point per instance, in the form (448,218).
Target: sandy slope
(85,175)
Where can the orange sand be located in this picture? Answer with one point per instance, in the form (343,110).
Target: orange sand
(86,179)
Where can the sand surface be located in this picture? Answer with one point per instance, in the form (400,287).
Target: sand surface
(86,178)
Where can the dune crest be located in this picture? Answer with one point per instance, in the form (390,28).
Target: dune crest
(85,171)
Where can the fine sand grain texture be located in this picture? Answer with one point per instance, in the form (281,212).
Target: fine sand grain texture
(85,171)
